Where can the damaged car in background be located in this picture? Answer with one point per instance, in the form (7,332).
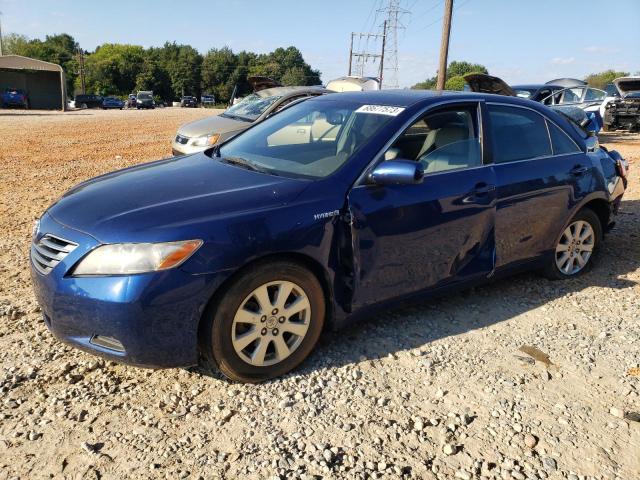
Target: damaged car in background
(623,111)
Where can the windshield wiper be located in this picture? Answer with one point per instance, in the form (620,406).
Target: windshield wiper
(244,163)
(235,117)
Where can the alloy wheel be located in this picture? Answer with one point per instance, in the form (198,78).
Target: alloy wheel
(271,323)
(575,247)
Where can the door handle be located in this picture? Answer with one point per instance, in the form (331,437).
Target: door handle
(483,189)
(578,170)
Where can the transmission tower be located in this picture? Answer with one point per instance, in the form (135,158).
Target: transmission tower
(393,13)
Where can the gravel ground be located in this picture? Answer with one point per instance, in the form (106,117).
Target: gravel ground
(440,390)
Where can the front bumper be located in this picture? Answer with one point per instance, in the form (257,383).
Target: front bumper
(154,316)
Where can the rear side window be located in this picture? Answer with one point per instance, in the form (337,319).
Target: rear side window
(518,134)
(561,142)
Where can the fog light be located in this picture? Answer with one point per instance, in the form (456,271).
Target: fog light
(109,343)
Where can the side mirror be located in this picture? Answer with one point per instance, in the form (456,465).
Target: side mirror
(397,172)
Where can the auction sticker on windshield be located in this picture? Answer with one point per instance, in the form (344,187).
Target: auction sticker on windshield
(380,110)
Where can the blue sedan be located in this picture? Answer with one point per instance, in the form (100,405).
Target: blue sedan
(112,102)
(329,209)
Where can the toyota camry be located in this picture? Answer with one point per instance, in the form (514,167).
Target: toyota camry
(331,208)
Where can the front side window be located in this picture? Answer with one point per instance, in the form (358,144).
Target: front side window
(518,134)
(441,141)
(572,95)
(311,139)
(593,94)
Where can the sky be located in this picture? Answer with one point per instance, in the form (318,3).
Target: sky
(521,42)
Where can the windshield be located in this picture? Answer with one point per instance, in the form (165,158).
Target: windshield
(524,92)
(144,96)
(251,107)
(310,140)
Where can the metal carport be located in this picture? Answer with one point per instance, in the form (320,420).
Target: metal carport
(43,81)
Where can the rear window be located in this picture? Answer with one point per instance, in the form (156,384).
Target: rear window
(518,134)
(560,141)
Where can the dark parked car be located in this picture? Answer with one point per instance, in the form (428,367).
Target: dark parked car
(188,101)
(246,251)
(112,102)
(14,97)
(208,100)
(145,100)
(88,101)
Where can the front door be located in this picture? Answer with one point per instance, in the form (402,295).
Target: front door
(408,238)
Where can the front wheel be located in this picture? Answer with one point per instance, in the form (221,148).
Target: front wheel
(576,246)
(266,322)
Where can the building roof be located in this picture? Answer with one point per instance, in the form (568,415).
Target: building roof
(17,62)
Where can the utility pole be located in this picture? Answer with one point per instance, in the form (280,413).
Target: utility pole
(351,52)
(384,41)
(1,46)
(81,72)
(363,56)
(444,44)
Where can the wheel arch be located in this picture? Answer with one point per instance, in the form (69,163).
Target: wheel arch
(601,208)
(306,261)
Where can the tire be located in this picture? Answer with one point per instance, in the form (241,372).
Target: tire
(267,334)
(561,267)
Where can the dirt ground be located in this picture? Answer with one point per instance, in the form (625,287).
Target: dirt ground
(439,390)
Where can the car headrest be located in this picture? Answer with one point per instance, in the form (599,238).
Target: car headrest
(450,134)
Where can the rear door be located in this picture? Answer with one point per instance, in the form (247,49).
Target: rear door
(537,182)
(407,238)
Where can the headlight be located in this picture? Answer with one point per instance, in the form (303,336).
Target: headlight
(206,140)
(128,258)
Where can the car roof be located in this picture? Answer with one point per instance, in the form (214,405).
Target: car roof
(283,91)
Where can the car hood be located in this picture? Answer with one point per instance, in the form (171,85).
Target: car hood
(213,124)
(626,85)
(168,199)
(482,83)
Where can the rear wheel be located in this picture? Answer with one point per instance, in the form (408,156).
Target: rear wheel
(576,246)
(266,323)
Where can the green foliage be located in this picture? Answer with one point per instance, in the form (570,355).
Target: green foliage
(458,69)
(170,71)
(222,70)
(455,83)
(14,44)
(113,68)
(600,80)
(455,71)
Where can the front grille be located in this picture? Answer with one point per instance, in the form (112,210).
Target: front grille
(49,251)
(181,140)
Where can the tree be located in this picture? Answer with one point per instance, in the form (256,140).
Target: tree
(14,44)
(218,67)
(455,70)
(455,83)
(600,80)
(113,68)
